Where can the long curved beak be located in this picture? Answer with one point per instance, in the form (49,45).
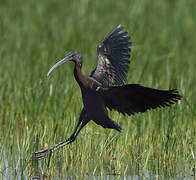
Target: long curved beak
(67,58)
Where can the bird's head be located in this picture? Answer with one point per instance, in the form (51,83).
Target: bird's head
(74,56)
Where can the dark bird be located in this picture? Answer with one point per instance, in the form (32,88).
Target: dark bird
(105,87)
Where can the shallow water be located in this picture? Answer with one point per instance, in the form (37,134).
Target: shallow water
(37,169)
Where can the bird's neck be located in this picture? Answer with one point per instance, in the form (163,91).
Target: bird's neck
(78,74)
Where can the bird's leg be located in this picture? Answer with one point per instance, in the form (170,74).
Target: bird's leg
(44,153)
(78,124)
(84,120)
(75,134)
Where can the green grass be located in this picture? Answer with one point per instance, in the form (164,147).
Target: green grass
(36,112)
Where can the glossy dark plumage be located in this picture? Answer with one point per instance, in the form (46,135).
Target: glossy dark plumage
(133,98)
(105,87)
(113,58)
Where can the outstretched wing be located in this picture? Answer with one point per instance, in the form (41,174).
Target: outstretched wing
(113,58)
(133,98)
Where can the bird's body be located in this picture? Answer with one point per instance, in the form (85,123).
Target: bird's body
(105,87)
(94,105)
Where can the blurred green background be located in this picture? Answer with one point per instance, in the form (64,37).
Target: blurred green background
(36,112)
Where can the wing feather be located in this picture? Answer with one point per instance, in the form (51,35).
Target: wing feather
(133,98)
(113,58)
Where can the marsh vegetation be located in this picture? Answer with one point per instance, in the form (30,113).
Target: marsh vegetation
(36,112)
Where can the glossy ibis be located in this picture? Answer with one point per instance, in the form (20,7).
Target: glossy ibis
(105,87)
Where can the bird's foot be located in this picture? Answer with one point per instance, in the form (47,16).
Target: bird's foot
(42,154)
